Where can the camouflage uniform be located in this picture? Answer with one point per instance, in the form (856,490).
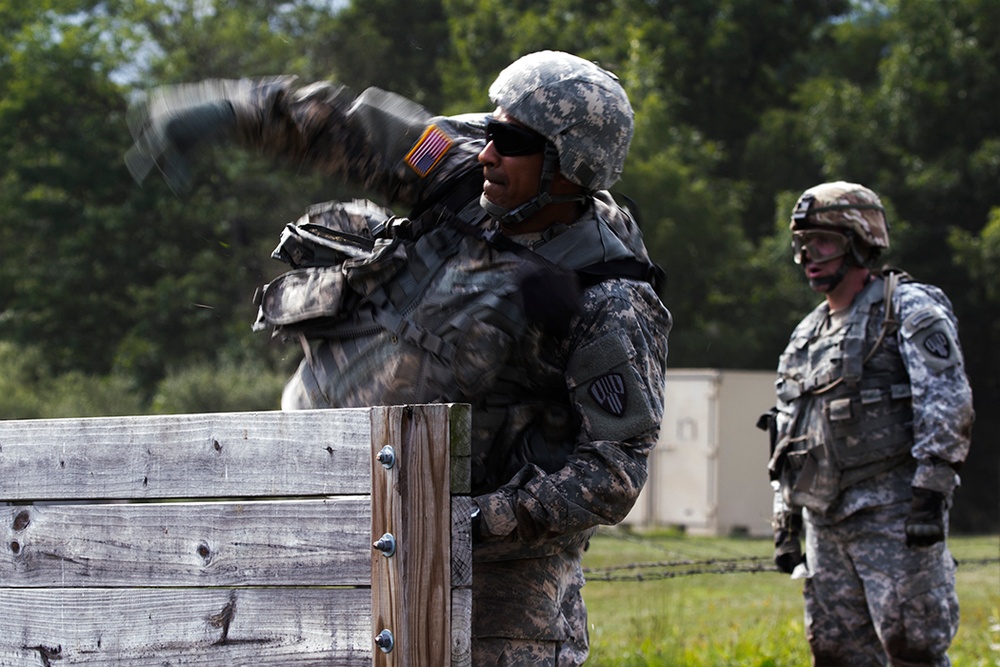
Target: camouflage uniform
(857,434)
(562,424)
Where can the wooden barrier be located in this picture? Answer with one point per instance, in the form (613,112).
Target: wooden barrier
(237,539)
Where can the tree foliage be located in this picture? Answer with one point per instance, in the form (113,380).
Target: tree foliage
(64,243)
(739,104)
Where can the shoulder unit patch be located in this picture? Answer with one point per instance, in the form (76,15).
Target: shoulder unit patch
(428,150)
(608,391)
(938,345)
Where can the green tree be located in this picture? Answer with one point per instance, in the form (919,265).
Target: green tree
(105,274)
(740,105)
(64,243)
(409,38)
(924,133)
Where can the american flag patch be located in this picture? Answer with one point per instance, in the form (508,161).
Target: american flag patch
(428,150)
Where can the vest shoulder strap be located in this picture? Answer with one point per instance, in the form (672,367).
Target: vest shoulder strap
(624,268)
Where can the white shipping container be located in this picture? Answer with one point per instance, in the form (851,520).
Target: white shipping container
(708,472)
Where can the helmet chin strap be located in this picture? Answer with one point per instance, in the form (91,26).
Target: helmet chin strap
(513,216)
(509,217)
(831,281)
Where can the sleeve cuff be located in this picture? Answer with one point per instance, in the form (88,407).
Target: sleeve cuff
(939,477)
(496,514)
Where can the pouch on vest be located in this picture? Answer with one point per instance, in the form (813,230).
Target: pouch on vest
(810,479)
(370,272)
(871,427)
(301,295)
(330,233)
(313,245)
(808,476)
(323,246)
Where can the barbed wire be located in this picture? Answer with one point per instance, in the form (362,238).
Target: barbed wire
(673,569)
(684,565)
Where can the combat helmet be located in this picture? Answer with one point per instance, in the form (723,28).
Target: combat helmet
(580,108)
(847,208)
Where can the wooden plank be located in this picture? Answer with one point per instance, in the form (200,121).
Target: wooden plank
(411,590)
(310,452)
(272,627)
(300,542)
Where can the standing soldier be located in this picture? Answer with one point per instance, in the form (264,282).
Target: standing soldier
(515,284)
(872,423)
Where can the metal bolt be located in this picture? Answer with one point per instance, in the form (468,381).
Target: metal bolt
(386,456)
(386,544)
(384,641)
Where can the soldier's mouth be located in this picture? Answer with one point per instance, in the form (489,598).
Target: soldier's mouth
(491,188)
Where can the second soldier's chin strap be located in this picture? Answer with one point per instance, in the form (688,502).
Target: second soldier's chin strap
(515,216)
(831,281)
(853,257)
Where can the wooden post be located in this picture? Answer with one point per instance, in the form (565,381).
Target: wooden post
(414,609)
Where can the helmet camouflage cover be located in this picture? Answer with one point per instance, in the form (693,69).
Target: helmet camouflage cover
(581,108)
(843,206)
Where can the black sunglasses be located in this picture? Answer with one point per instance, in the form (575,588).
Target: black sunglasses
(511,140)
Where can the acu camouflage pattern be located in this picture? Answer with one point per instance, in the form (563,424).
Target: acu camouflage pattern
(850,394)
(542,451)
(324,125)
(872,601)
(843,206)
(527,572)
(862,575)
(578,106)
(569,651)
(317,247)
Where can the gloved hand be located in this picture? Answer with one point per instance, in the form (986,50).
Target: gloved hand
(925,524)
(167,124)
(787,550)
(787,542)
(551,298)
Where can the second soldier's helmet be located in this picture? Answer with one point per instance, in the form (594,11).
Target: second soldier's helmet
(844,207)
(848,208)
(581,108)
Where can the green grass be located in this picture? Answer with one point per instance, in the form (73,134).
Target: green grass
(745,619)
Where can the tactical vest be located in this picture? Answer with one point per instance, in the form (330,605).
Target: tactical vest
(434,299)
(850,392)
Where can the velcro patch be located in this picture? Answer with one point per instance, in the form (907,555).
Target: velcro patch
(605,385)
(933,337)
(428,150)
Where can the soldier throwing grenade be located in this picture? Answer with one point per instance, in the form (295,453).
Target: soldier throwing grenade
(872,422)
(515,284)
